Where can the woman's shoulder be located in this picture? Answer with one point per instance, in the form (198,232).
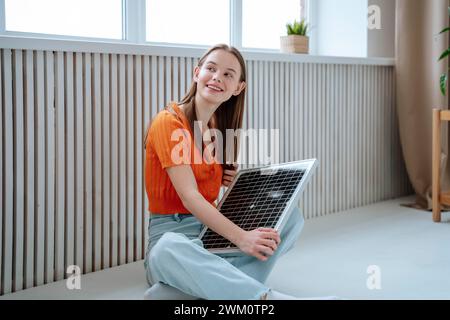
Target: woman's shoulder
(167,116)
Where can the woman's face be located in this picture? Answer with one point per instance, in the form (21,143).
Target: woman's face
(219,77)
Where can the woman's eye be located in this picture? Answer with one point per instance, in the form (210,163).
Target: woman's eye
(211,69)
(228,75)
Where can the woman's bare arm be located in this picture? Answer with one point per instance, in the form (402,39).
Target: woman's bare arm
(256,242)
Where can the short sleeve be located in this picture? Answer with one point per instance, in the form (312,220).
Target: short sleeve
(170,140)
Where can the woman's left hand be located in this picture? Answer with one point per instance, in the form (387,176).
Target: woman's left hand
(229,174)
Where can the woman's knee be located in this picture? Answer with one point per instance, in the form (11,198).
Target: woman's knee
(166,247)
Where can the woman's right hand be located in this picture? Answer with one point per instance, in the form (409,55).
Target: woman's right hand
(260,243)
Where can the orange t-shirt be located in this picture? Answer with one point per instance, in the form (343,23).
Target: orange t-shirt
(162,152)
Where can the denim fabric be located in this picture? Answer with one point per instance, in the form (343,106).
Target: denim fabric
(176,257)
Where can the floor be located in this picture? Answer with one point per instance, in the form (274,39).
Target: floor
(381,251)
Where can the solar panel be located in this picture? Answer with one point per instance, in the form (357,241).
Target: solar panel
(260,198)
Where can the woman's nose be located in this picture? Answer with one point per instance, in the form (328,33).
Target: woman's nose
(216,77)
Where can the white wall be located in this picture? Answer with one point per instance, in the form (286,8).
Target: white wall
(340,28)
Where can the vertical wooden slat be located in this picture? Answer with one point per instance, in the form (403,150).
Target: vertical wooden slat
(265,124)
(350,135)
(291,89)
(2,82)
(364,182)
(88,163)
(168,85)
(105,160)
(49,167)
(130,109)
(369,101)
(182,78)
(248,107)
(7,175)
(161,83)
(322,145)
(436,159)
(299,106)
(375,127)
(154,101)
(360,124)
(376,117)
(29,170)
(97,163)
(391,144)
(286,108)
(253,154)
(283,112)
(138,172)
(69,239)
(79,161)
(313,128)
(356,108)
(146,105)
(175,79)
(345,137)
(387,128)
(122,165)
(19,171)
(341,131)
(60,162)
(305,130)
(114,242)
(40,169)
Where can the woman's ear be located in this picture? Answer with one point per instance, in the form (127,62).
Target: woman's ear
(196,72)
(241,87)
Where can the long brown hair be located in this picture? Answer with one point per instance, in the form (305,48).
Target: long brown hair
(229,114)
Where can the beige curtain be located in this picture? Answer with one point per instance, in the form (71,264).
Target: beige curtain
(418,48)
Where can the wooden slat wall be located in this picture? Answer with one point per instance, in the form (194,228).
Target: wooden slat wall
(71,156)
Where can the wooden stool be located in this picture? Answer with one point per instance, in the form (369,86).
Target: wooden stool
(439,197)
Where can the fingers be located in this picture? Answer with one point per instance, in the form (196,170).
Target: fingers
(260,256)
(228,178)
(269,243)
(262,253)
(265,251)
(271,234)
(230,172)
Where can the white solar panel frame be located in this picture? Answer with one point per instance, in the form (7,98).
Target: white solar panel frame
(308,165)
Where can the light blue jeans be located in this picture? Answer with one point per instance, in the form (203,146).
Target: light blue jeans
(176,257)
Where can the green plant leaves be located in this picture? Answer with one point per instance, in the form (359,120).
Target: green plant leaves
(444,77)
(443,83)
(444,30)
(444,54)
(297,28)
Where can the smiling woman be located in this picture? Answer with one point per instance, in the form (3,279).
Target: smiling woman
(182,196)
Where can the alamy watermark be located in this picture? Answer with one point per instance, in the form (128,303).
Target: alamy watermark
(374,18)
(374,280)
(73,282)
(256,146)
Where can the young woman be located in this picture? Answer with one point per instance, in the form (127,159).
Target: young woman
(182,194)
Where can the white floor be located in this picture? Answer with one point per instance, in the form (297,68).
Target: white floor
(331,258)
(334,252)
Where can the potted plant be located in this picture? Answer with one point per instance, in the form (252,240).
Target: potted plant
(297,40)
(445,54)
